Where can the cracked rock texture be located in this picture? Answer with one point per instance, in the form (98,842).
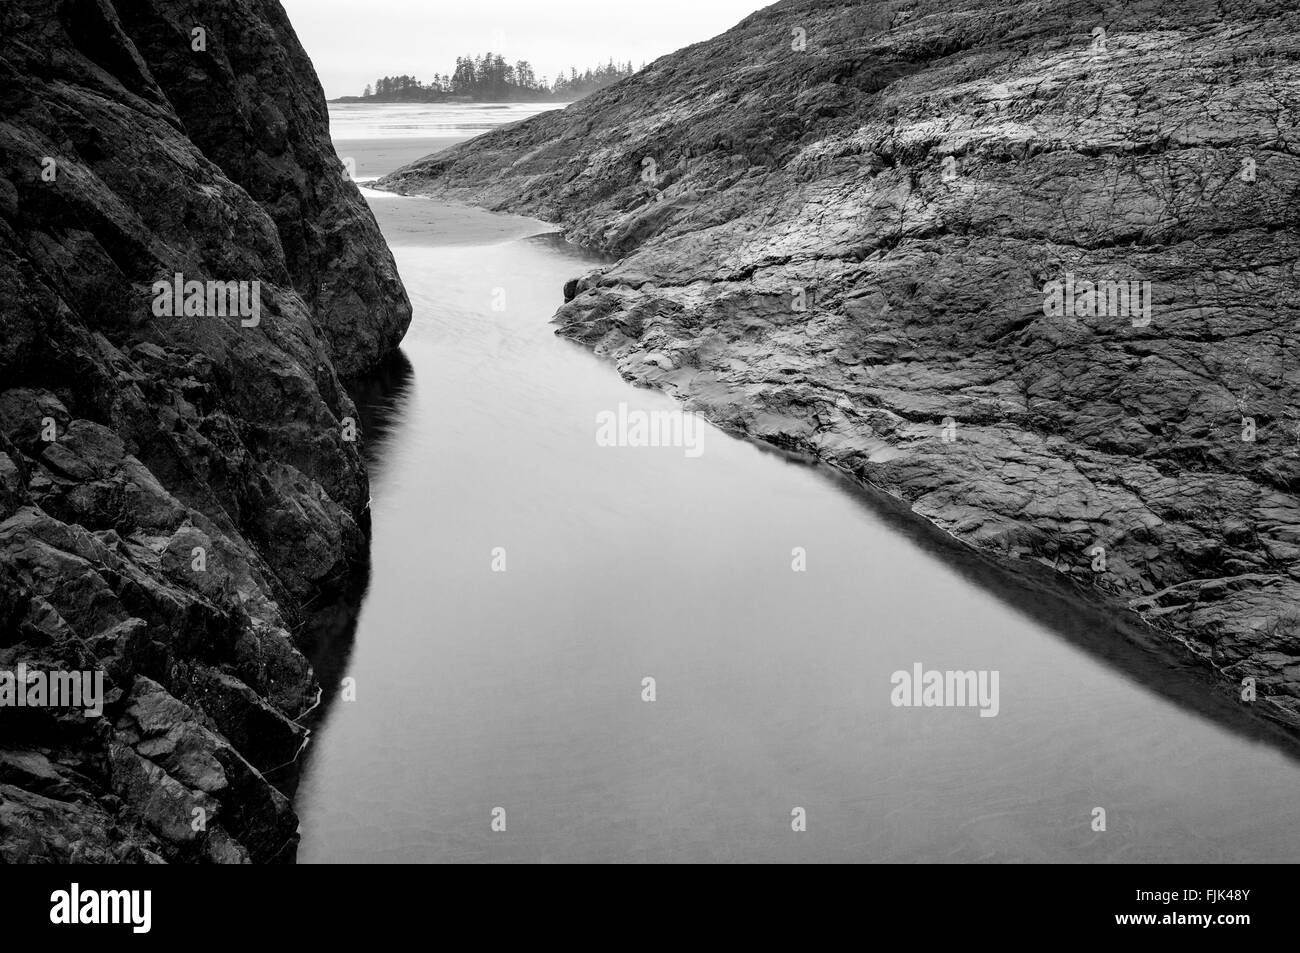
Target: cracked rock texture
(173,490)
(843,250)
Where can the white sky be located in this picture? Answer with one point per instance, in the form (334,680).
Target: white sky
(351,42)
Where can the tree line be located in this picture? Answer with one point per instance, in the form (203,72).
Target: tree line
(489,78)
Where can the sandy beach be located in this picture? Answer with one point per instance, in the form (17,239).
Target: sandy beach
(424,222)
(428,222)
(375,157)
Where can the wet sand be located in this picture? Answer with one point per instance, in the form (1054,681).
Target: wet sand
(423,221)
(376,157)
(428,222)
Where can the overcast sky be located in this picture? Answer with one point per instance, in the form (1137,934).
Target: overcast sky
(352,42)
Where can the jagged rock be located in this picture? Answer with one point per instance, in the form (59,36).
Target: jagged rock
(168,807)
(255,108)
(846,249)
(263,735)
(39,829)
(221,848)
(182,778)
(33,771)
(172,489)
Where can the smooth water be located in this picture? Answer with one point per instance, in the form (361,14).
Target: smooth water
(522,689)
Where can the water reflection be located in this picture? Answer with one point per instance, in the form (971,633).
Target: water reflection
(327,631)
(521,688)
(380,396)
(1075,614)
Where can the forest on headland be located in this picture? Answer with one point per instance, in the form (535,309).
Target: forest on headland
(490,78)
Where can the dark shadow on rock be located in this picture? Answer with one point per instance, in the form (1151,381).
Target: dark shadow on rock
(328,628)
(1119,639)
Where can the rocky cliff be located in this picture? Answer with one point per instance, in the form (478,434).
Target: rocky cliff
(1026,266)
(179,473)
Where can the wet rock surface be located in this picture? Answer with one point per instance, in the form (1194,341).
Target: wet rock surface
(173,489)
(848,249)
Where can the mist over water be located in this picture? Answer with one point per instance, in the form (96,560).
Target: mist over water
(426,120)
(522,689)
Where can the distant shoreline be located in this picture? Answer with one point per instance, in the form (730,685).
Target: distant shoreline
(452,100)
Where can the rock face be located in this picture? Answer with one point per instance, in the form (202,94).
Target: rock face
(840,225)
(174,486)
